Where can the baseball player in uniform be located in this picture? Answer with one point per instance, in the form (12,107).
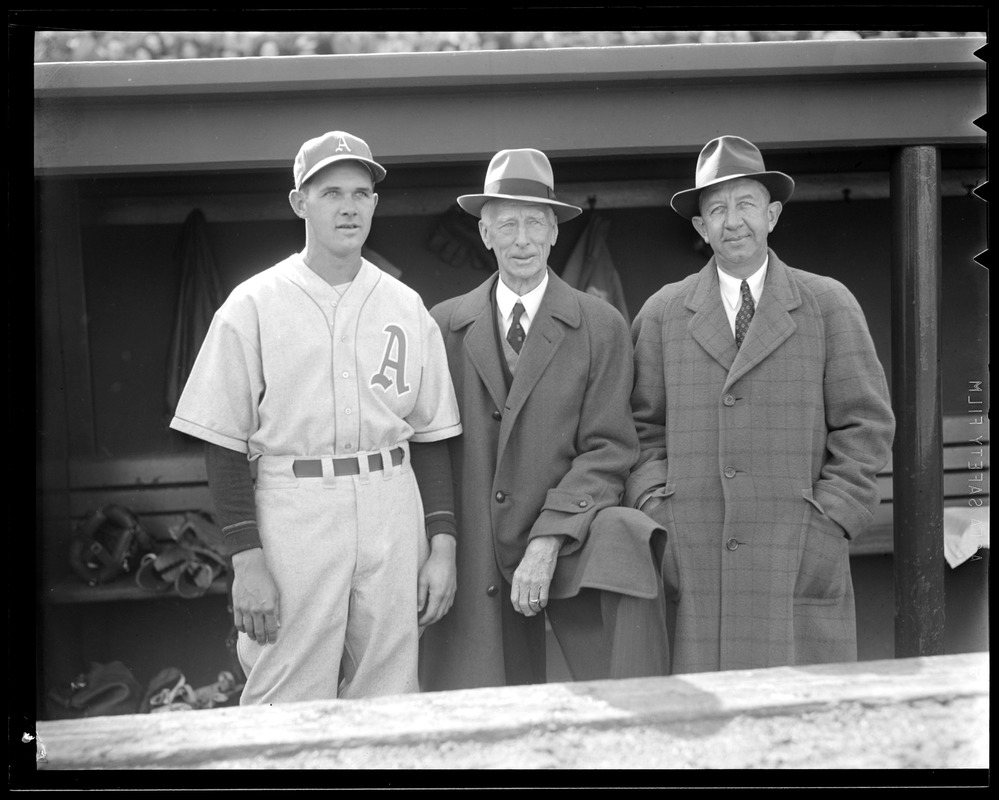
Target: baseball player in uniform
(330,376)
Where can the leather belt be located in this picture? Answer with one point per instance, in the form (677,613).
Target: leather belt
(313,467)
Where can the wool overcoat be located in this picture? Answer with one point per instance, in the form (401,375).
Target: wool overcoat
(767,458)
(542,459)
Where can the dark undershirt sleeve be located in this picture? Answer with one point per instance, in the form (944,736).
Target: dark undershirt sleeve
(432,467)
(231,487)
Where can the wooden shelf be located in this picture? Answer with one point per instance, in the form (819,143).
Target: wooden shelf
(71,591)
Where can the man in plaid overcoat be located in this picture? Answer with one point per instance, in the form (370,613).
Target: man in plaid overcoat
(764,418)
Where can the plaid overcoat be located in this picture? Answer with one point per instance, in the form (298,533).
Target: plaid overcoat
(767,458)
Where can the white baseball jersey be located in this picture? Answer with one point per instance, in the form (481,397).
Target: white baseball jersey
(289,367)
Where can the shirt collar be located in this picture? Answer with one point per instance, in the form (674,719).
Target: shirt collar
(506,299)
(731,288)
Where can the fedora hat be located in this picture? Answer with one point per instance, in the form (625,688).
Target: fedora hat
(330,147)
(524,175)
(724,159)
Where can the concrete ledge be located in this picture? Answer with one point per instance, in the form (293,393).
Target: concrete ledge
(923,712)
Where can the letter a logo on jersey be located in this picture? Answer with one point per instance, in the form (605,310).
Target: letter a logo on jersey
(394,360)
(342,145)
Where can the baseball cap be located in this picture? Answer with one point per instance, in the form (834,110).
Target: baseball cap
(330,147)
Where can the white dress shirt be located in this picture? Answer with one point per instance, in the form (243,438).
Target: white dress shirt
(506,299)
(731,290)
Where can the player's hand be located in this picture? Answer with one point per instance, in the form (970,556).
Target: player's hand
(533,576)
(255,604)
(438,580)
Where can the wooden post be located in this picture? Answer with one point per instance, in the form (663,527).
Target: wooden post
(916,389)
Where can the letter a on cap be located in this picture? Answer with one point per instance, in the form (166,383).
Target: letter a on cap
(321,151)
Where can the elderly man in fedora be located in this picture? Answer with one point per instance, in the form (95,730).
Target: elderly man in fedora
(543,375)
(764,418)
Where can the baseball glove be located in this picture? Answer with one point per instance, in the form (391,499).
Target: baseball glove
(103,690)
(106,544)
(188,562)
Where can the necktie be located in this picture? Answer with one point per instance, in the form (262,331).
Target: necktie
(745,315)
(515,336)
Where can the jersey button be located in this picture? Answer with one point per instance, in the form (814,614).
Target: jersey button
(729,472)
(732,544)
(729,400)
(348,447)
(500,497)
(346,374)
(346,411)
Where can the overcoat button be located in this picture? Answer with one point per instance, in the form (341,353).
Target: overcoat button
(497,415)
(729,472)
(729,400)
(732,544)
(500,497)
(491,591)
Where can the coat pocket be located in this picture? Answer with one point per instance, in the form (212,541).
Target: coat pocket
(823,558)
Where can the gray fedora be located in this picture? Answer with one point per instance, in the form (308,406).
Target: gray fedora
(524,175)
(724,159)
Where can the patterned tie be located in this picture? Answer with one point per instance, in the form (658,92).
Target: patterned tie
(515,336)
(744,316)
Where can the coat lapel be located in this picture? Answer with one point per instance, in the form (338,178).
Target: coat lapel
(476,311)
(558,308)
(709,326)
(772,324)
